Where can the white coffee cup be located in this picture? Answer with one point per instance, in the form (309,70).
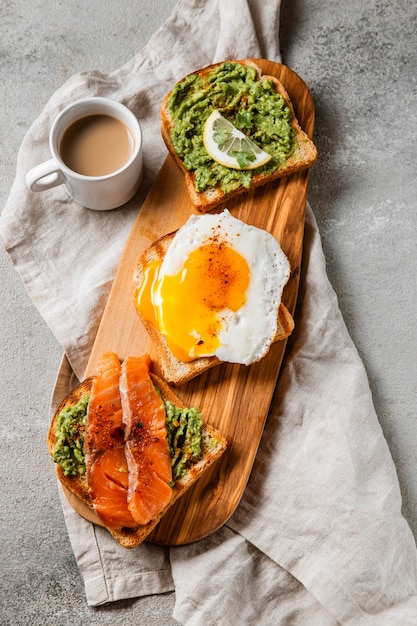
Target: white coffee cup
(99,192)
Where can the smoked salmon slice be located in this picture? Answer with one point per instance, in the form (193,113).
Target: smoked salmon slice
(108,484)
(146,446)
(104,445)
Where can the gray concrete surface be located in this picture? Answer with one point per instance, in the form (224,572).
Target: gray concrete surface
(359,60)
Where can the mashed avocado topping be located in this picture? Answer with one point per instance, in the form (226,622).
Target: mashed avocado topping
(252,105)
(183,434)
(184,437)
(70,429)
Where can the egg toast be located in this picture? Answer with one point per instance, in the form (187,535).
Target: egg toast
(175,370)
(196,165)
(213,445)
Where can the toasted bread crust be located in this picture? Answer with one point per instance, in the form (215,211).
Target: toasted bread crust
(175,371)
(77,485)
(303,157)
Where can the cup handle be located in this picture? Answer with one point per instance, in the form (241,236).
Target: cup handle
(44,176)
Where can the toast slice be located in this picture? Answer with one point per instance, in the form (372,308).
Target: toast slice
(213,446)
(175,371)
(302,157)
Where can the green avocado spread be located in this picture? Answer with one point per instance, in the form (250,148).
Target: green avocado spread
(184,437)
(70,429)
(251,104)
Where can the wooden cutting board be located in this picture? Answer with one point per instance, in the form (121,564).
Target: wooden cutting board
(233,398)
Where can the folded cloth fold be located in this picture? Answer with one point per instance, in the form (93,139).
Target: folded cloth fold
(318,537)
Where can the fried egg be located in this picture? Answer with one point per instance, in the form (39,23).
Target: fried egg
(217,290)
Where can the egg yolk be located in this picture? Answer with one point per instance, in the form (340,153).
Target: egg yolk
(187,307)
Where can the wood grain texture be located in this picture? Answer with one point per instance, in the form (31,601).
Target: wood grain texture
(233,398)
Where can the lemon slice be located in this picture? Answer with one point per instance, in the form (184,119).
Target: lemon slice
(227,145)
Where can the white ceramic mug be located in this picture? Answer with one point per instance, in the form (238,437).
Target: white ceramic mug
(94,192)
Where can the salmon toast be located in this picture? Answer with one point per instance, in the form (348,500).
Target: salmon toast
(121,446)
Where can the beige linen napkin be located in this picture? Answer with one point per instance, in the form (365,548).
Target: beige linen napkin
(318,538)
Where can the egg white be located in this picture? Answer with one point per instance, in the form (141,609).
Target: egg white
(246,334)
